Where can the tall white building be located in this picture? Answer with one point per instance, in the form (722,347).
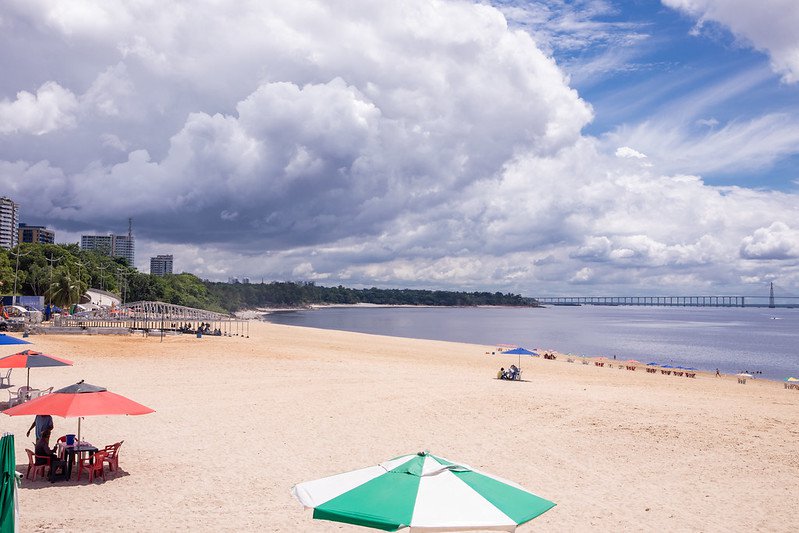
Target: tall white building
(9,223)
(161,265)
(111,245)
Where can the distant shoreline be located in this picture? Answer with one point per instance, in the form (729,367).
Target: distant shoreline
(251,314)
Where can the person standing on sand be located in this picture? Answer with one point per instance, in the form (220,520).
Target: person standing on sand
(718,374)
(42,423)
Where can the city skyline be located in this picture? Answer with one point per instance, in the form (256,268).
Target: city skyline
(588,147)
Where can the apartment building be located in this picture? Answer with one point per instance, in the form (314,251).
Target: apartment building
(9,223)
(111,245)
(40,234)
(161,265)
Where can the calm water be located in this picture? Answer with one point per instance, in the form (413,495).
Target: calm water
(731,339)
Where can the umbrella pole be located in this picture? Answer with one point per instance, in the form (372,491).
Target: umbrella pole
(78,430)
(29,377)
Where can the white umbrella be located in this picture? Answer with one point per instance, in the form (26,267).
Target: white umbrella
(422,492)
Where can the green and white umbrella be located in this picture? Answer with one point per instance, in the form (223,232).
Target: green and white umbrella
(422,492)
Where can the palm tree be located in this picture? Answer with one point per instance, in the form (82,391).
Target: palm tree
(65,290)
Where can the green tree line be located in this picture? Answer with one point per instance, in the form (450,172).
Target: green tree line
(63,272)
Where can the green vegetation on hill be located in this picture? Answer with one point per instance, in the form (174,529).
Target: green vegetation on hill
(291,294)
(61,273)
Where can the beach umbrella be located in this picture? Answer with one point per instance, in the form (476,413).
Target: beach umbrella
(423,492)
(744,375)
(8,339)
(520,352)
(9,512)
(79,400)
(32,359)
(792,380)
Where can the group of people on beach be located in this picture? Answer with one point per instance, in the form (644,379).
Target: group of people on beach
(45,455)
(203,328)
(511,373)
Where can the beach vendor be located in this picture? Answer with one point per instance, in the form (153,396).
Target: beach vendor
(41,423)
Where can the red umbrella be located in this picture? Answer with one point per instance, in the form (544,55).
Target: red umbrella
(79,400)
(32,359)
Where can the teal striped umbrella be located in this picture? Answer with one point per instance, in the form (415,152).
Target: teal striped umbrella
(422,492)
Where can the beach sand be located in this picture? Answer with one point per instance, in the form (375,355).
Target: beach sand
(239,421)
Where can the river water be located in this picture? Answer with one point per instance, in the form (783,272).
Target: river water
(731,339)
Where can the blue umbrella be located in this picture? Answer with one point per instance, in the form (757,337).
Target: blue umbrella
(520,352)
(7,339)
(653,363)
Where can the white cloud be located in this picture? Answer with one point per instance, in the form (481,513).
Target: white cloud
(629,153)
(422,143)
(50,109)
(769,25)
(737,146)
(778,241)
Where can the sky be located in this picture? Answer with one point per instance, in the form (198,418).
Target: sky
(586,147)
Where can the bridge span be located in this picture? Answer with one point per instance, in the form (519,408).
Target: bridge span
(658,301)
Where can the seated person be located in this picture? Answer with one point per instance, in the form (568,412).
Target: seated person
(43,448)
(513,372)
(501,373)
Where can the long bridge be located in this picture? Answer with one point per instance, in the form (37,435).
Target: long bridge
(676,301)
(661,301)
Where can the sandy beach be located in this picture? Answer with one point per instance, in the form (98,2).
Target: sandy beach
(239,421)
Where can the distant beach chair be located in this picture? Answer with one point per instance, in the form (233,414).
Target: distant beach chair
(35,393)
(13,398)
(5,381)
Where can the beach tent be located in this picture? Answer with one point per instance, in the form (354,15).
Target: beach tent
(79,400)
(9,509)
(423,492)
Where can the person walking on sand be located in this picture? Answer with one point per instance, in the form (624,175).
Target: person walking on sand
(718,374)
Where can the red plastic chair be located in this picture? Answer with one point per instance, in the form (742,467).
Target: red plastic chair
(112,456)
(94,469)
(33,467)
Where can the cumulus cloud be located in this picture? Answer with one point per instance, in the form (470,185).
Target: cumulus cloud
(50,109)
(422,143)
(769,26)
(778,241)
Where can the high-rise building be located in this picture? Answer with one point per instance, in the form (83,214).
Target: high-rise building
(111,245)
(161,265)
(38,234)
(9,222)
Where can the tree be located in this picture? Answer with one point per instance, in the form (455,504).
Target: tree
(65,290)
